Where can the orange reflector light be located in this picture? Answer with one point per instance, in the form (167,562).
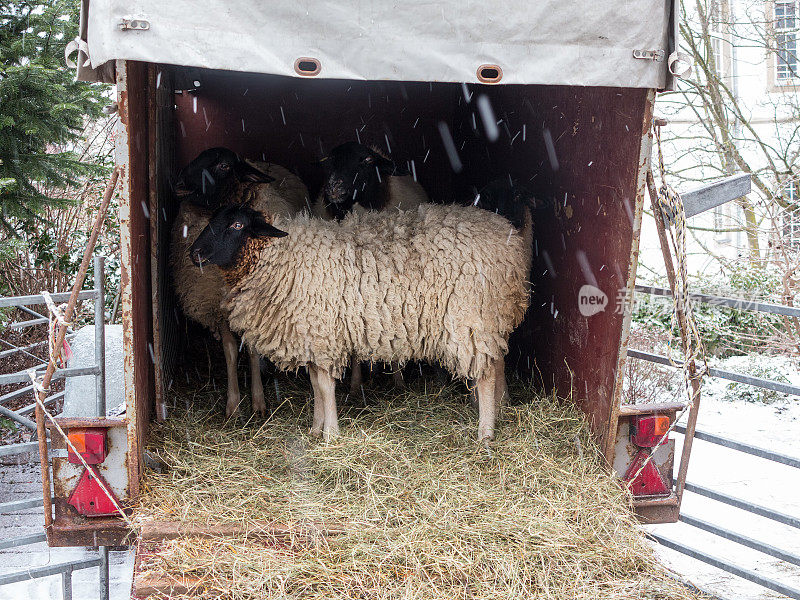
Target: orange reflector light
(90,443)
(647,430)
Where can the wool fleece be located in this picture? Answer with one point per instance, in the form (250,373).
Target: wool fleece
(443,284)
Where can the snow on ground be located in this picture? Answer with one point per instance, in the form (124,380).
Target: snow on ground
(775,426)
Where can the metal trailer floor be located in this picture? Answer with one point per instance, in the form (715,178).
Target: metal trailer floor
(20,482)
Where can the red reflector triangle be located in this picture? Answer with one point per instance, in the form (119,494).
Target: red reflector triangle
(89,499)
(647,483)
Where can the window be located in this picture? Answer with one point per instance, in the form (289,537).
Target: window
(723,223)
(786,40)
(791,218)
(717,47)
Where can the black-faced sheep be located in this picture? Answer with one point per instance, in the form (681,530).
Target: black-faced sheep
(358,178)
(443,284)
(218,177)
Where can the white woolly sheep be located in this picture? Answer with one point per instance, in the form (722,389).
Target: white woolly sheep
(215,178)
(357,179)
(444,284)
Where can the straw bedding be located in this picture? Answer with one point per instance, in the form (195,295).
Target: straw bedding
(413,507)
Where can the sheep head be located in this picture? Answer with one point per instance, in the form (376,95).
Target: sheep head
(205,180)
(228,236)
(355,173)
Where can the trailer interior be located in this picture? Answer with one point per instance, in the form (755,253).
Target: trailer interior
(583,150)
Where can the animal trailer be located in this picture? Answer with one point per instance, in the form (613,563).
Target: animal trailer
(557,95)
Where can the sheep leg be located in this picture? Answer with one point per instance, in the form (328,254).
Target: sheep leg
(231,352)
(397,376)
(256,385)
(327,386)
(486,407)
(319,407)
(500,386)
(356,377)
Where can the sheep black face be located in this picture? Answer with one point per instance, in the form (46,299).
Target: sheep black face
(228,230)
(206,178)
(355,173)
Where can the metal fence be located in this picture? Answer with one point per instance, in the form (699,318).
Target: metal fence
(753,508)
(762,511)
(20,416)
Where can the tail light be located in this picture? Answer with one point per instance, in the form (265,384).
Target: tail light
(90,443)
(647,430)
(88,497)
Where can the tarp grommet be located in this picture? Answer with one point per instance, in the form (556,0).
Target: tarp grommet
(307,67)
(490,73)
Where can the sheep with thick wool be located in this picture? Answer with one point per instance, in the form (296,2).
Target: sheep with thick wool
(357,179)
(444,284)
(218,177)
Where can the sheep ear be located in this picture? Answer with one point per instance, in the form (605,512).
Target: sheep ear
(385,165)
(248,172)
(264,229)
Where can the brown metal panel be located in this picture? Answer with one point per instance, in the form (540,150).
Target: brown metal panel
(132,151)
(294,122)
(657,510)
(162,211)
(580,150)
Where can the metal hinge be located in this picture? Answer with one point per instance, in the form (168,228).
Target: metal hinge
(130,23)
(654,55)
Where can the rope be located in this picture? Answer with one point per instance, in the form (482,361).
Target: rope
(56,319)
(670,205)
(38,387)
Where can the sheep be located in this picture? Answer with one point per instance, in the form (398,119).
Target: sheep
(358,178)
(445,284)
(218,177)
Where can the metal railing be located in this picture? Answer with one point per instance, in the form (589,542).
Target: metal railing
(19,416)
(753,508)
(733,536)
(65,569)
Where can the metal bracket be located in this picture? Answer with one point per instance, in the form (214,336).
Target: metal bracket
(654,55)
(129,23)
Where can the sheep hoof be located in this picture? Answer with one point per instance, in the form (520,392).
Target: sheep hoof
(260,408)
(316,432)
(486,436)
(331,433)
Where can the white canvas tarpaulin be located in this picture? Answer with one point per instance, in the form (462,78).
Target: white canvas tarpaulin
(566,42)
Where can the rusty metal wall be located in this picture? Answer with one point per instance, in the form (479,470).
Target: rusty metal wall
(580,149)
(132,158)
(161,158)
(294,122)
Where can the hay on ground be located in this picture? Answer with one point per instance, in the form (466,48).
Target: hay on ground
(424,511)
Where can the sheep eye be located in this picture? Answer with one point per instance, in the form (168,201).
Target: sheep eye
(237,225)
(368,160)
